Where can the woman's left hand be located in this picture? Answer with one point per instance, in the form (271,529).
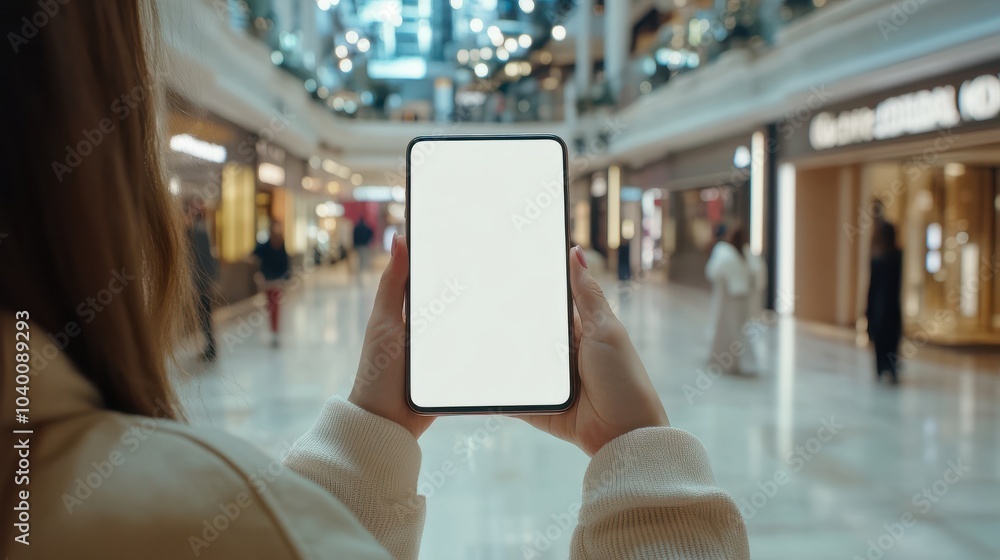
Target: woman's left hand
(379,386)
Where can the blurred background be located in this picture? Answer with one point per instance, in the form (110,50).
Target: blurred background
(806,123)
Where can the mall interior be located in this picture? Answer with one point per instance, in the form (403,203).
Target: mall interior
(805,122)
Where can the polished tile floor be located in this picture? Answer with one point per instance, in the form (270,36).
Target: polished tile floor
(824,462)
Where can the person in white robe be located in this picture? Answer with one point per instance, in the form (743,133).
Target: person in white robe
(733,283)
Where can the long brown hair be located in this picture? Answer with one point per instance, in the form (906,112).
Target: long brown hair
(92,245)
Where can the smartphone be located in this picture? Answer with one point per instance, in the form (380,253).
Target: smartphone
(488,307)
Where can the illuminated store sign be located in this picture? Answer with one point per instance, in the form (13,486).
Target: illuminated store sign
(927,110)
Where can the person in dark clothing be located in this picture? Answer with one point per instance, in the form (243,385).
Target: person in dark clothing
(274,268)
(362,238)
(884,312)
(206,271)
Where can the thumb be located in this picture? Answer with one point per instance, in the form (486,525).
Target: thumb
(595,313)
(392,286)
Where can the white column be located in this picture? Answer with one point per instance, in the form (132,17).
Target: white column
(569,103)
(584,61)
(308,11)
(616,41)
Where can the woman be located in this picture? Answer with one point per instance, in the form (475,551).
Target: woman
(272,260)
(206,271)
(94,272)
(732,279)
(884,311)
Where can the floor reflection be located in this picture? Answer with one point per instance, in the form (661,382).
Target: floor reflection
(854,456)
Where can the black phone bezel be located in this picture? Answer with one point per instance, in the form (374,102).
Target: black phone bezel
(573,371)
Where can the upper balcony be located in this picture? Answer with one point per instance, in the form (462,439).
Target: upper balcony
(326,71)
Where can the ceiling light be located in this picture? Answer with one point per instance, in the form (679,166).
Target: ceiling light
(324,4)
(456,4)
(476,25)
(502,54)
(271,174)
(462,56)
(346,65)
(364,44)
(510,44)
(524,40)
(340,51)
(545,57)
(511,69)
(486,53)
(558,33)
(187,144)
(277,58)
(527,6)
(525,68)
(351,36)
(482,70)
(357,179)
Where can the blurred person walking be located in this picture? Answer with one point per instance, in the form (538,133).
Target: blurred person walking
(274,268)
(884,311)
(733,283)
(105,408)
(205,269)
(362,244)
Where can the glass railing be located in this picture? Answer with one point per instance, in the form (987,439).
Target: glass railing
(686,42)
(690,43)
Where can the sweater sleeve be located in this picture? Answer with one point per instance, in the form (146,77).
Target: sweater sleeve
(369,464)
(650,494)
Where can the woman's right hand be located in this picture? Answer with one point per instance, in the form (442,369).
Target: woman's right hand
(616,395)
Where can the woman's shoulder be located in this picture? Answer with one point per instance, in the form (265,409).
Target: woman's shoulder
(156,488)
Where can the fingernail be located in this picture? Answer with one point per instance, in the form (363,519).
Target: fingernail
(392,247)
(579,255)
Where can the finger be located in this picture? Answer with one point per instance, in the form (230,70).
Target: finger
(392,286)
(577,327)
(595,312)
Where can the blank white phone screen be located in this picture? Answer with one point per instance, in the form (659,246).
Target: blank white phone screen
(489,323)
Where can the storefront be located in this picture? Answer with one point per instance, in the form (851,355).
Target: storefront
(695,194)
(240,184)
(211,164)
(926,158)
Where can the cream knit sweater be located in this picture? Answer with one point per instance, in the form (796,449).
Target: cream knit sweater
(647,494)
